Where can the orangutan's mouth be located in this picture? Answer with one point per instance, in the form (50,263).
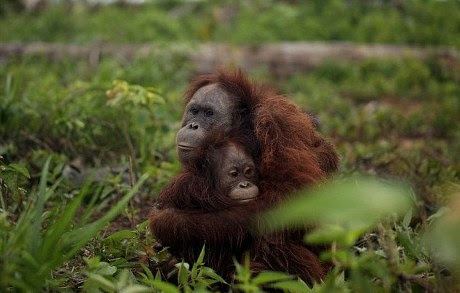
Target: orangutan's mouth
(183,147)
(247,199)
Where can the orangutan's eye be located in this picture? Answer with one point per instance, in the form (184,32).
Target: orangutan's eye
(233,173)
(249,171)
(194,111)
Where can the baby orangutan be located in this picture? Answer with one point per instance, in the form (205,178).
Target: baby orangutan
(235,173)
(214,200)
(210,202)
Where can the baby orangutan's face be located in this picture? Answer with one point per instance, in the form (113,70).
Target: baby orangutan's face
(236,173)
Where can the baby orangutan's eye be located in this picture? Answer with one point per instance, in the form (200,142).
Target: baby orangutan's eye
(233,173)
(249,171)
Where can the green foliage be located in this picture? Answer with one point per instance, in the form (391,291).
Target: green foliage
(29,254)
(90,115)
(346,208)
(390,257)
(412,22)
(386,126)
(199,278)
(11,176)
(103,277)
(246,282)
(98,280)
(443,238)
(388,118)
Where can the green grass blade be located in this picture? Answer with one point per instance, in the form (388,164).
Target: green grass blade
(37,221)
(76,239)
(62,224)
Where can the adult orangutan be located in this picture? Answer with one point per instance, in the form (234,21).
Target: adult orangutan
(284,148)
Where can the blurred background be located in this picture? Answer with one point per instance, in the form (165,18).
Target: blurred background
(96,85)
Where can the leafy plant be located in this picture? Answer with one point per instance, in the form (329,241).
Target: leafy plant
(29,254)
(246,282)
(242,22)
(342,212)
(10,178)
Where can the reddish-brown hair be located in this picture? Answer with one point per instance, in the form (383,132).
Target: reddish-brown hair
(289,144)
(290,155)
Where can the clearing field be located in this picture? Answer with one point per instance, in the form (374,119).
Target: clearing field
(86,144)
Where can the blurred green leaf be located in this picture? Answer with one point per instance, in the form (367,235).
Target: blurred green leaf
(105,269)
(291,286)
(182,276)
(102,282)
(332,232)
(354,205)
(135,289)
(21,169)
(212,274)
(119,235)
(443,237)
(268,277)
(165,287)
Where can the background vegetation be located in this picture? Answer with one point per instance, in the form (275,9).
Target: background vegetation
(76,137)
(244,22)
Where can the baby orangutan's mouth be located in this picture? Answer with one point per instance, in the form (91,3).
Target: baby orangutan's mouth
(245,194)
(247,199)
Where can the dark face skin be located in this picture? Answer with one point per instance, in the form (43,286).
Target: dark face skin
(235,173)
(210,108)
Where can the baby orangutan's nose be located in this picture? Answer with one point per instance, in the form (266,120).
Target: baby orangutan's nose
(244,184)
